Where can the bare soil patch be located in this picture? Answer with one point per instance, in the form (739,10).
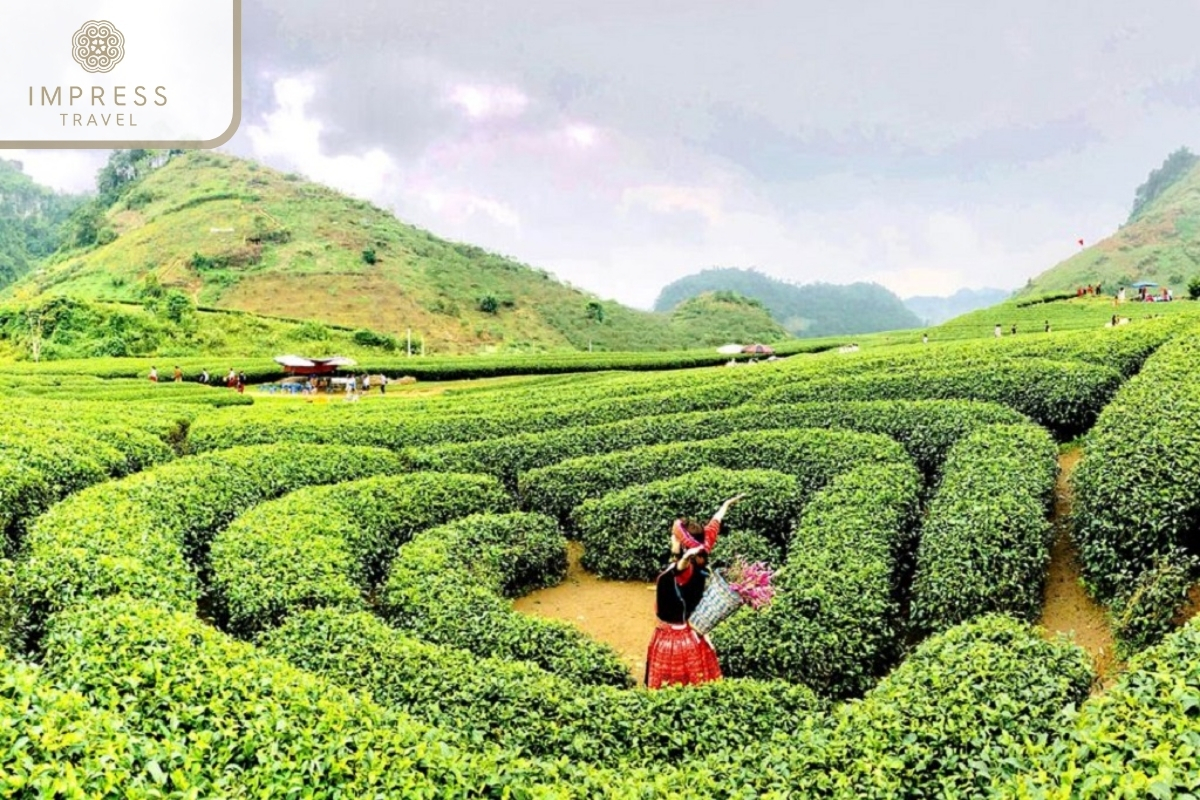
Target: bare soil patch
(1067,608)
(618,613)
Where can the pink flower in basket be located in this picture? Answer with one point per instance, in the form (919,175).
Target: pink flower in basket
(751,581)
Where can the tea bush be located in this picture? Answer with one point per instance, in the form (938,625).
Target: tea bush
(985,544)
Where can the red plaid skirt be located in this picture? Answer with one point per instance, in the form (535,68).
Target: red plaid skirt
(679,655)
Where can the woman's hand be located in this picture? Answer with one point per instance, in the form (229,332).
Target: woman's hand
(720,515)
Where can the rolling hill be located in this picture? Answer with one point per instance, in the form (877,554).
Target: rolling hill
(231,234)
(1160,243)
(815,310)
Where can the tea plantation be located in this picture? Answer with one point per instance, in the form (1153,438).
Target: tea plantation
(208,594)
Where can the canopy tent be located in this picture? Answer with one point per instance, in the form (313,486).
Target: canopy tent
(298,365)
(1143,285)
(730,350)
(758,350)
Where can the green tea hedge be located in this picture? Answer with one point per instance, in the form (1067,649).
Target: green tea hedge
(626,534)
(448,586)
(1065,397)
(145,534)
(1135,489)
(237,723)
(329,545)
(1137,739)
(985,544)
(927,429)
(523,708)
(813,457)
(833,624)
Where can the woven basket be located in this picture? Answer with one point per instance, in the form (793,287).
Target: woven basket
(718,604)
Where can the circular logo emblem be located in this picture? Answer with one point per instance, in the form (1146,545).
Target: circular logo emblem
(98,46)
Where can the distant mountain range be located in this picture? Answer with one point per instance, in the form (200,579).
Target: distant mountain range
(812,310)
(936,310)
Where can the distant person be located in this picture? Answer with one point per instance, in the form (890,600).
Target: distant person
(241,383)
(231,379)
(1113,324)
(383,382)
(998,332)
(178,374)
(925,339)
(154,374)
(1047,326)
(204,376)
(366,384)
(1014,330)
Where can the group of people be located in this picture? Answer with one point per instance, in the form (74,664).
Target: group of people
(234,380)
(1089,291)
(998,331)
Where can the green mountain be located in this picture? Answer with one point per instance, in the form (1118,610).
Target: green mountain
(228,233)
(718,318)
(31,221)
(1159,244)
(936,310)
(817,309)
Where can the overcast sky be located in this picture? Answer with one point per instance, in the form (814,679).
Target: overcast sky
(927,146)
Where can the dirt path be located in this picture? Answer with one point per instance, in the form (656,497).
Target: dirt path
(618,613)
(1067,607)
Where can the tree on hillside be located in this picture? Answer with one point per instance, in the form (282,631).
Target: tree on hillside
(1175,167)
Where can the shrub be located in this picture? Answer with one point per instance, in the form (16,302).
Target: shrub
(435,595)
(143,534)
(1135,740)
(625,534)
(833,624)
(1147,614)
(1135,498)
(1065,397)
(199,689)
(814,457)
(522,707)
(369,256)
(328,545)
(985,544)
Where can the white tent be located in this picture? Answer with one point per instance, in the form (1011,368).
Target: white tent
(730,350)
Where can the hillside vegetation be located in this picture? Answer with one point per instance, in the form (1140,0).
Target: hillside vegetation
(31,218)
(1160,243)
(231,234)
(818,309)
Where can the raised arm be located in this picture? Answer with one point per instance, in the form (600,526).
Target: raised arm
(714,525)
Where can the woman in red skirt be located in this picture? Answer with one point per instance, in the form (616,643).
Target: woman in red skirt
(677,654)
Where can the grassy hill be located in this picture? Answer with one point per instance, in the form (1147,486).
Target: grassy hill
(1159,244)
(814,310)
(231,234)
(718,318)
